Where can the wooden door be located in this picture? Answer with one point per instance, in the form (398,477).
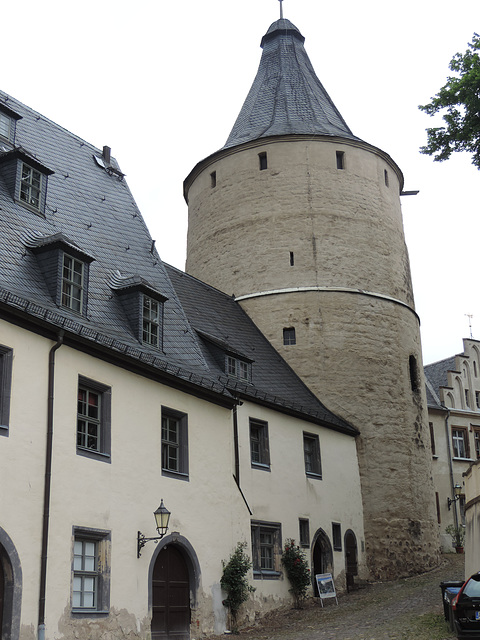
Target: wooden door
(170,596)
(351,559)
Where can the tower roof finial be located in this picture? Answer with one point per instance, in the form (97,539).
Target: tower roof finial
(281,9)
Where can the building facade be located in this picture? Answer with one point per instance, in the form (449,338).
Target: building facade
(327,280)
(453,393)
(124,382)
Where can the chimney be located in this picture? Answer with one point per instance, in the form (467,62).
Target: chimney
(106,154)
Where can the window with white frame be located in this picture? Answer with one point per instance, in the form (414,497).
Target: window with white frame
(289,336)
(259,450)
(174,443)
(5,126)
(266,549)
(93,419)
(31,186)
(476,439)
(73,279)
(238,368)
(460,443)
(90,579)
(151,321)
(311,453)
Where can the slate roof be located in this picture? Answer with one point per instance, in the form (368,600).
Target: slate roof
(286,96)
(90,210)
(219,319)
(436,377)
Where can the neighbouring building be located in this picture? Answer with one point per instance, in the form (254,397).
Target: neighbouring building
(453,394)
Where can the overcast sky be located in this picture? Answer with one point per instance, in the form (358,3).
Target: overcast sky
(162,83)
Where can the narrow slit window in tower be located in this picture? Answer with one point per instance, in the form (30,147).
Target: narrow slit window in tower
(385,173)
(340,160)
(412,363)
(292,259)
(262,158)
(213,179)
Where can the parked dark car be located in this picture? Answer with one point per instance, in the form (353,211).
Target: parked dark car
(465,609)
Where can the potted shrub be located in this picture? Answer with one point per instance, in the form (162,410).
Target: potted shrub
(458,536)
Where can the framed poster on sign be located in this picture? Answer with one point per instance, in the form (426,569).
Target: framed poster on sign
(326,586)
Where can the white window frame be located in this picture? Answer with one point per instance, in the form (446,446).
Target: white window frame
(31,186)
(73,283)
(151,314)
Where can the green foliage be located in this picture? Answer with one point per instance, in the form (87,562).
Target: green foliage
(461,98)
(234,581)
(298,573)
(457,534)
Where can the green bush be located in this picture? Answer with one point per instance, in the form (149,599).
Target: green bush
(298,573)
(234,581)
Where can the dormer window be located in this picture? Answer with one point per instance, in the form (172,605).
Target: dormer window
(8,122)
(65,267)
(151,321)
(238,368)
(31,186)
(143,307)
(25,178)
(5,126)
(72,283)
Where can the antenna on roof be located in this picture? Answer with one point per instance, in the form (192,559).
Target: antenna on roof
(470,316)
(281,9)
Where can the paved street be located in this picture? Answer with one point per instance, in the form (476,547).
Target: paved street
(407,609)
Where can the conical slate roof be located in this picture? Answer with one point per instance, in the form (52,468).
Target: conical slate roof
(286,96)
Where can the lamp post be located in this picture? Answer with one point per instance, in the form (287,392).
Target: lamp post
(162,517)
(457,490)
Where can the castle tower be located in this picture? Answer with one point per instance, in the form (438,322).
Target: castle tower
(301,221)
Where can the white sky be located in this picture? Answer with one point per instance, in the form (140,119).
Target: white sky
(162,83)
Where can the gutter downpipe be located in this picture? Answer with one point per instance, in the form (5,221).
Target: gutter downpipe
(236,475)
(47,485)
(450,466)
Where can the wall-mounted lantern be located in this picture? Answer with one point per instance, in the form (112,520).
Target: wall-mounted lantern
(457,490)
(162,516)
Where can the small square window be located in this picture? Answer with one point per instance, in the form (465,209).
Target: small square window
(93,419)
(266,549)
(31,186)
(174,444)
(73,278)
(262,158)
(311,451)
(91,570)
(337,536)
(340,159)
(304,532)
(151,321)
(6,358)
(289,336)
(260,455)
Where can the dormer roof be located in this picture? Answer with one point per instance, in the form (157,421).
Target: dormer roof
(286,96)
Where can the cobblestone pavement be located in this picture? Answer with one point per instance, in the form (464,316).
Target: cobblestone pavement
(406,609)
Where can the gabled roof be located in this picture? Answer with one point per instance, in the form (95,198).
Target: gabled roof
(219,319)
(436,377)
(91,213)
(286,96)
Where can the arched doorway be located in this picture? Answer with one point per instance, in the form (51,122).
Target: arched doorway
(170,595)
(10,588)
(351,558)
(322,557)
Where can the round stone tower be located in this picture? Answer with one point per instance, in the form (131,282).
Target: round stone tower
(300,220)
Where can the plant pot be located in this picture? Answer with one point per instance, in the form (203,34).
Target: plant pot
(459,549)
